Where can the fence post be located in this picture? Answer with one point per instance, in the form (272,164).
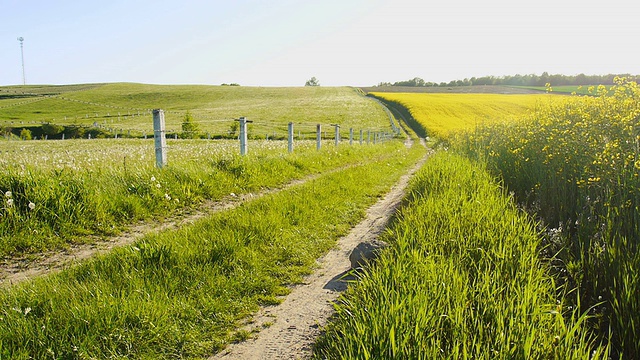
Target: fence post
(350,136)
(243,134)
(159,139)
(318,136)
(361,131)
(337,136)
(368,136)
(290,137)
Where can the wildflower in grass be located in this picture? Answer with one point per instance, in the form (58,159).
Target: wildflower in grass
(167,196)
(8,194)
(9,202)
(158,185)
(32,206)
(153,179)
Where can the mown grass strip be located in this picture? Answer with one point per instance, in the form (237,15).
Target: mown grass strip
(180,294)
(462,279)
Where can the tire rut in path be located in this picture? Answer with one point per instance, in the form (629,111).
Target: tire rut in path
(291,328)
(15,270)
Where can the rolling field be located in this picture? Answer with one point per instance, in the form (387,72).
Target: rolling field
(57,192)
(518,240)
(181,292)
(127,107)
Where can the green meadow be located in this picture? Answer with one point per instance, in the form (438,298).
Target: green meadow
(127,107)
(517,240)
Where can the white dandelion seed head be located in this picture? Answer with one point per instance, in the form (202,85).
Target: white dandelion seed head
(153,178)
(32,205)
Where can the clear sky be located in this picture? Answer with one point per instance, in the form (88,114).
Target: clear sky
(286,42)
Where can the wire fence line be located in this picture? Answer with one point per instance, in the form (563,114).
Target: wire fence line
(114,125)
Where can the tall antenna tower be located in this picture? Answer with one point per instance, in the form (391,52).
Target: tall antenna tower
(24,79)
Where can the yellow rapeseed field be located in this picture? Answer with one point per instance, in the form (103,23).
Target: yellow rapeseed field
(444,114)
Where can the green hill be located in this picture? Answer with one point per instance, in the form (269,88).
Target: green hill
(128,106)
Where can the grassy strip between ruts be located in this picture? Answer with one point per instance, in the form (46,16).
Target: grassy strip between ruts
(462,279)
(103,185)
(181,293)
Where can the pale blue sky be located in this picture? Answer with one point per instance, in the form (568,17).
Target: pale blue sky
(286,42)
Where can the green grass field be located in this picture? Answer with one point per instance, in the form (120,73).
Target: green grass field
(127,107)
(469,274)
(183,294)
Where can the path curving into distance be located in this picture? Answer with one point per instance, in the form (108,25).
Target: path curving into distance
(289,330)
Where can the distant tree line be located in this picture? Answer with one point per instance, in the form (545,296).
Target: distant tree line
(517,80)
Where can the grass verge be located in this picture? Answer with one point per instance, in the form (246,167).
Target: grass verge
(462,279)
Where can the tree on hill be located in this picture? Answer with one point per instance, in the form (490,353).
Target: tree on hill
(189,128)
(312,82)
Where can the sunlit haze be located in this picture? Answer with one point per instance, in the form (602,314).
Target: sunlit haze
(286,42)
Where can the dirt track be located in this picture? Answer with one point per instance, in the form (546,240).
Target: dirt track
(290,329)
